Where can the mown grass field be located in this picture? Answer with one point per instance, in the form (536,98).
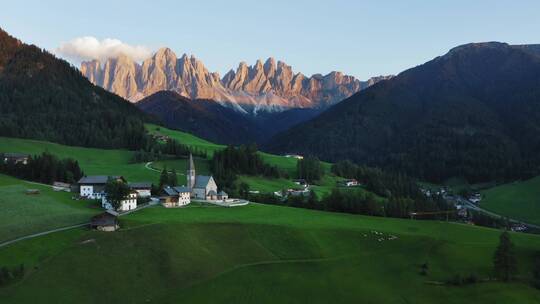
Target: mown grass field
(518,200)
(22,214)
(264,254)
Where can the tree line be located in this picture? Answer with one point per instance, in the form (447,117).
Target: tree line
(45,168)
(232,161)
(155,150)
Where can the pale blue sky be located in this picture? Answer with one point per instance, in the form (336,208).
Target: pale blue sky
(360,38)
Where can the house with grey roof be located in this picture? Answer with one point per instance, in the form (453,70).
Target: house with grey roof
(202,187)
(93,187)
(15,158)
(175,196)
(143,189)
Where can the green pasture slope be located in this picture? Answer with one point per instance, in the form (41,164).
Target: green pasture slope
(22,214)
(118,162)
(264,254)
(92,161)
(518,200)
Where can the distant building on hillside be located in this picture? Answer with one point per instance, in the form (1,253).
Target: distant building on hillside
(175,197)
(202,187)
(93,187)
(15,158)
(301,182)
(143,189)
(348,183)
(294,156)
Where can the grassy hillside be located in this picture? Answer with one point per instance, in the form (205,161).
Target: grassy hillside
(92,161)
(23,214)
(264,254)
(117,162)
(519,200)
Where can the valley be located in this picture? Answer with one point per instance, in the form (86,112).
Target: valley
(129,174)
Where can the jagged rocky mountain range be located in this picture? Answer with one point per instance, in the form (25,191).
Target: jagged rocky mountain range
(270,86)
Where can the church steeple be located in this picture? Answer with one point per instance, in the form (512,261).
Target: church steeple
(191,172)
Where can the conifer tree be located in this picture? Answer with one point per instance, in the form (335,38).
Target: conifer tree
(504,260)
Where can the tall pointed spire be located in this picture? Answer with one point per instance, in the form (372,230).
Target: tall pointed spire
(191,172)
(191,164)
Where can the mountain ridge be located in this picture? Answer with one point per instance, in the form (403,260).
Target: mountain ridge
(472,112)
(269,86)
(211,121)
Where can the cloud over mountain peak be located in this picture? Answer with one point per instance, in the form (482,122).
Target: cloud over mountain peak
(90,48)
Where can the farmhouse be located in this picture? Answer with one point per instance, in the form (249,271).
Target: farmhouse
(175,197)
(294,156)
(202,187)
(143,189)
(15,158)
(301,182)
(104,222)
(129,203)
(348,183)
(93,187)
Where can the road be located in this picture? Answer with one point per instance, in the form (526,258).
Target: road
(474,207)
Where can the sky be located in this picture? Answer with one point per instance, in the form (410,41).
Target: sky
(359,38)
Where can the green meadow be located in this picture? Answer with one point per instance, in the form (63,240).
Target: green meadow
(265,254)
(518,200)
(257,253)
(23,214)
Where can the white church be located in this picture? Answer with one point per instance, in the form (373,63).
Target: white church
(202,187)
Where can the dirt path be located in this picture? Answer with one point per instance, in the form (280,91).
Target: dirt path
(41,233)
(148,166)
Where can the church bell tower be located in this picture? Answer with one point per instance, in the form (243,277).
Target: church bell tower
(191,173)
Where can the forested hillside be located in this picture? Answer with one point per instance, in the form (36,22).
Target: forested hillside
(474,112)
(45,98)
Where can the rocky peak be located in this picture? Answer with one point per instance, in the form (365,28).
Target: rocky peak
(270,85)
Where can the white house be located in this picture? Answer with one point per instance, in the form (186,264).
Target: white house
(175,197)
(143,189)
(129,203)
(294,156)
(93,187)
(349,183)
(202,187)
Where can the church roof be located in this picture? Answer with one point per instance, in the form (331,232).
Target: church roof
(222,193)
(201,181)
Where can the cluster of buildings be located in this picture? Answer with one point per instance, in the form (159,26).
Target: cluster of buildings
(199,187)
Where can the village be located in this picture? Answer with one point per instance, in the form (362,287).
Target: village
(199,188)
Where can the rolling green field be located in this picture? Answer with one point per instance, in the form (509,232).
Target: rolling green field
(118,162)
(22,214)
(264,254)
(252,254)
(519,200)
(92,161)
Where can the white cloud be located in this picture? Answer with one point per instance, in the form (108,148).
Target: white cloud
(88,48)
